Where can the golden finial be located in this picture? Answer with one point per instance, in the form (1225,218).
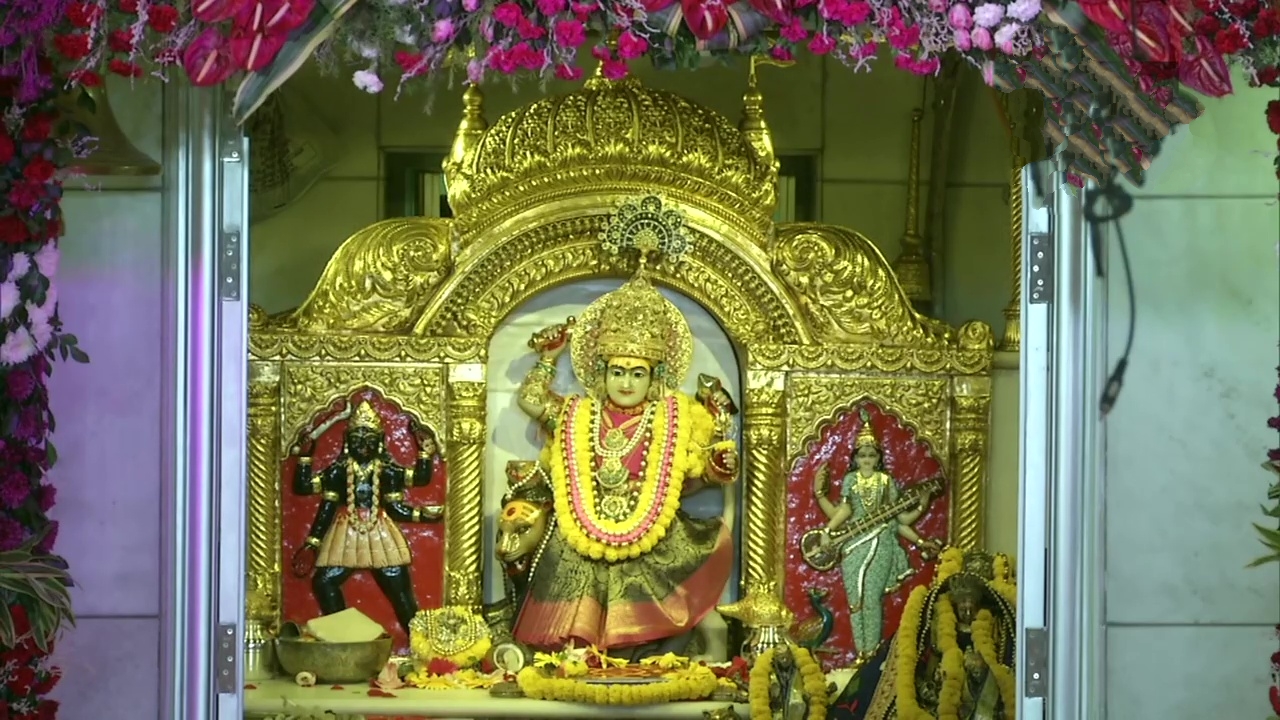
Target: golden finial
(866,434)
(466,140)
(597,79)
(365,418)
(753,124)
(912,267)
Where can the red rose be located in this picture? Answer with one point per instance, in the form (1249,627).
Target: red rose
(47,683)
(47,710)
(1243,8)
(13,230)
(1268,75)
(1267,24)
(37,128)
(73,47)
(121,41)
(1207,26)
(129,6)
(25,195)
(83,15)
(21,681)
(18,614)
(124,68)
(162,18)
(39,170)
(1273,116)
(52,229)
(6,148)
(85,78)
(1229,41)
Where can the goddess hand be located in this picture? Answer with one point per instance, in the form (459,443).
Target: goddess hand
(821,481)
(929,545)
(551,341)
(304,561)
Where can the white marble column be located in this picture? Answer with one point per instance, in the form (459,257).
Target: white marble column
(1190,630)
(108,430)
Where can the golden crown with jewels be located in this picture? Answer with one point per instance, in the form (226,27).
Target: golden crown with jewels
(365,418)
(634,323)
(866,434)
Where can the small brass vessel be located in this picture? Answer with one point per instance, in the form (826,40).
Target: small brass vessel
(334,663)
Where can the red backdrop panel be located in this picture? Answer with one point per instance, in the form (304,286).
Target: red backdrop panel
(909,461)
(426,540)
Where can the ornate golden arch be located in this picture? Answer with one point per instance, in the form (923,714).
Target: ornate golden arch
(410,306)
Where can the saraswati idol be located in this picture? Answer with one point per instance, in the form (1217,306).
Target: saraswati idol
(622,567)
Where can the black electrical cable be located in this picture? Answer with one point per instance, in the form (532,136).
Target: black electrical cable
(1118,204)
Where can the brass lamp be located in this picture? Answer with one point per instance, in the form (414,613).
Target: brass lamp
(113,153)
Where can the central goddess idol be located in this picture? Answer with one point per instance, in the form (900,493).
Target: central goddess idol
(624,568)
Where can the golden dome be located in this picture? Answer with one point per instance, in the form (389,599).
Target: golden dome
(607,137)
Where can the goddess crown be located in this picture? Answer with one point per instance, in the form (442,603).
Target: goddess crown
(365,417)
(866,434)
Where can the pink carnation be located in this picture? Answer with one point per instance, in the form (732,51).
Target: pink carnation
(794,31)
(551,7)
(988,15)
(570,33)
(632,46)
(960,17)
(822,44)
(981,38)
(508,14)
(568,72)
(962,41)
(47,260)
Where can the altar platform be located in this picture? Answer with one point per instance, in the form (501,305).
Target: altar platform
(272,698)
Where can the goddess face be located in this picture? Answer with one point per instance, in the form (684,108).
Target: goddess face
(363,443)
(866,458)
(627,381)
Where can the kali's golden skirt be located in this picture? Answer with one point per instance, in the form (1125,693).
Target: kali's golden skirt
(661,594)
(350,545)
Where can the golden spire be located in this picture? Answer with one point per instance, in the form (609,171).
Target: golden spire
(466,140)
(365,418)
(912,267)
(753,124)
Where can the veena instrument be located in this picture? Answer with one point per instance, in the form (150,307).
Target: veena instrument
(820,556)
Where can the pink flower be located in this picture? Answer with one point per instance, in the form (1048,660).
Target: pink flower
(9,299)
(583,10)
(19,264)
(613,69)
(780,53)
(551,7)
(475,71)
(865,51)
(47,495)
(529,30)
(960,17)
(568,72)
(508,14)
(41,330)
(15,488)
(981,38)
(938,6)
(17,348)
(47,260)
(794,31)
(471,5)
(443,31)
(927,66)
(570,33)
(21,383)
(822,44)
(962,41)
(904,37)
(632,46)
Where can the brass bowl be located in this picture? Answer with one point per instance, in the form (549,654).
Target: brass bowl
(334,663)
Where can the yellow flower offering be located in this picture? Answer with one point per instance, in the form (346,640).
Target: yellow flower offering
(575,668)
(670,661)
(694,683)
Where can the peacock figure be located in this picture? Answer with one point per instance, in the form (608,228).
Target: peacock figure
(812,633)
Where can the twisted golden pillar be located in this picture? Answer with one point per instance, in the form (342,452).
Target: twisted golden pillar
(1012,340)
(465,513)
(912,267)
(262,560)
(970,422)
(763,426)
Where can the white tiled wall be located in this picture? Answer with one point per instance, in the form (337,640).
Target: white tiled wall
(1190,630)
(108,435)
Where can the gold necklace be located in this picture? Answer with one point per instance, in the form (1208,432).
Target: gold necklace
(372,474)
(613,447)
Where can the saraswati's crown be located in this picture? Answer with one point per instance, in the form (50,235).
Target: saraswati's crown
(366,418)
(866,434)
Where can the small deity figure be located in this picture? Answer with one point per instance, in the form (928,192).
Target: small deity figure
(362,499)
(968,630)
(864,527)
(622,567)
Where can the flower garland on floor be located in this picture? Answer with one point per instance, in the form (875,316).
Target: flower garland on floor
(813,682)
(561,677)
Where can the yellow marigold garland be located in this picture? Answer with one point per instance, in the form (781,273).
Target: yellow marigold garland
(578,421)
(696,682)
(1004,583)
(983,633)
(952,690)
(813,681)
(461,680)
(950,562)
